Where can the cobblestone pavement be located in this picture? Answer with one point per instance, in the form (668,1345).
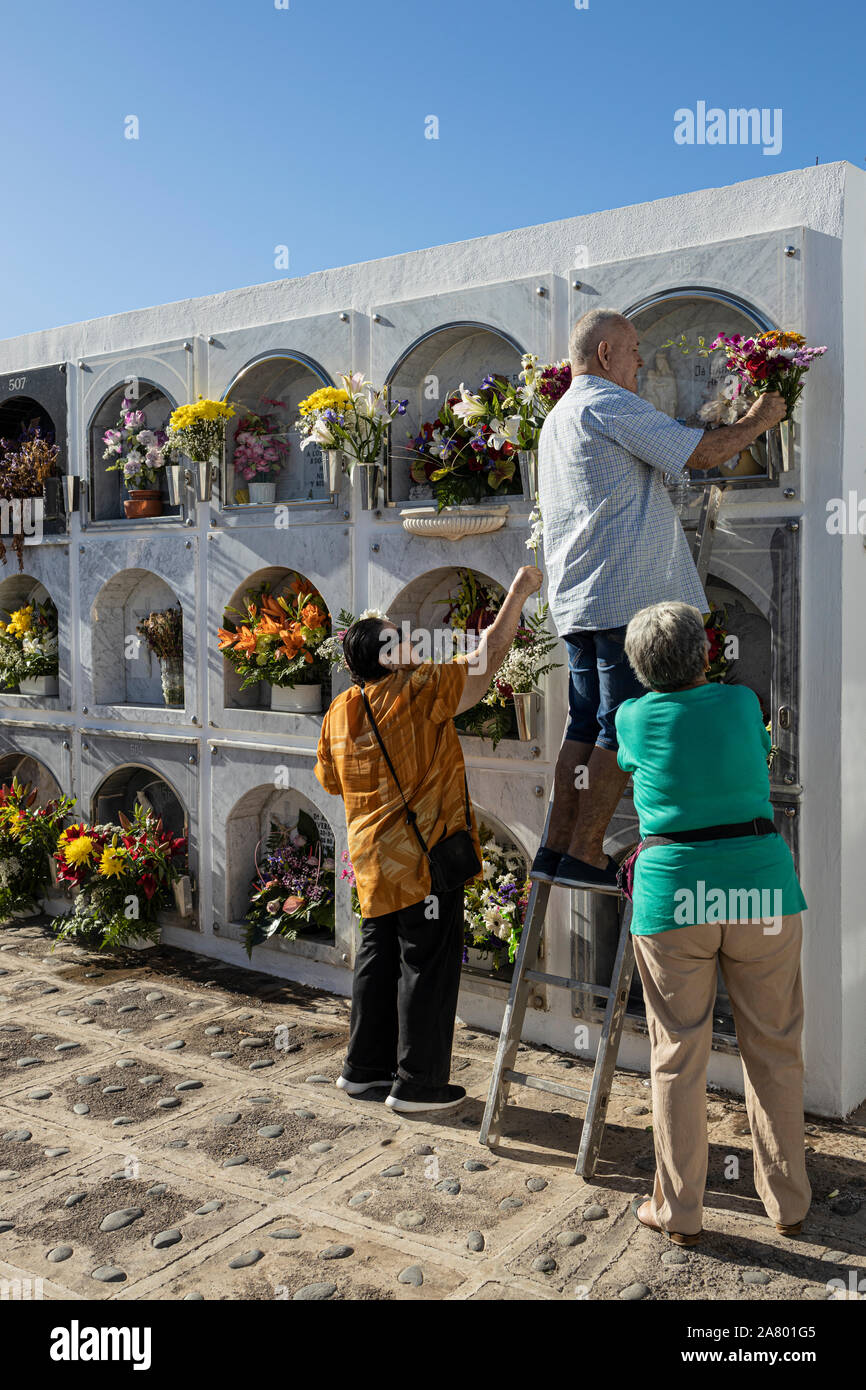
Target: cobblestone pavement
(169,1129)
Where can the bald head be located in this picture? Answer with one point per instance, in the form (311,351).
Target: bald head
(605,343)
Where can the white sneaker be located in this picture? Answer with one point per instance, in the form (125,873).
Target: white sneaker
(357,1088)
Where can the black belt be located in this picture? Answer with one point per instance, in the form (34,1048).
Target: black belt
(759,826)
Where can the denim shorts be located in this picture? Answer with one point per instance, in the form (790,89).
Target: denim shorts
(600,679)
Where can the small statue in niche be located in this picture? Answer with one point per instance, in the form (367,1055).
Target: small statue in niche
(660,386)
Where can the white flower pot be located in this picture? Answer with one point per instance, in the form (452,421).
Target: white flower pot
(303,699)
(484,960)
(38,685)
(262,492)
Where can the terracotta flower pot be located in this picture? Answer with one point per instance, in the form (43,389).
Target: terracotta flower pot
(143,501)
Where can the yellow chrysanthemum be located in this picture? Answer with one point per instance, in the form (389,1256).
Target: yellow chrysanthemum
(79,850)
(327,398)
(111,865)
(187,415)
(21,621)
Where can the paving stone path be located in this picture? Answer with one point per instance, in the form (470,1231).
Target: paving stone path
(170,1129)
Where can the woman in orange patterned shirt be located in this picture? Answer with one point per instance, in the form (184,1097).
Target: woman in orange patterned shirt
(407,971)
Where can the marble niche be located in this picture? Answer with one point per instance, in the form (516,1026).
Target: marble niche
(426,376)
(125,671)
(248,827)
(274,386)
(106,490)
(679,380)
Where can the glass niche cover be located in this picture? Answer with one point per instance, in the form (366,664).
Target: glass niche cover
(679,379)
(264,461)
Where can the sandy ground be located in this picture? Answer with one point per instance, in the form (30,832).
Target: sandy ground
(169,1129)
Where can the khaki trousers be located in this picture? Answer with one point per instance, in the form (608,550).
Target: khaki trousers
(762,975)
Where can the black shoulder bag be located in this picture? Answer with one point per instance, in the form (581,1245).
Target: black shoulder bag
(453,861)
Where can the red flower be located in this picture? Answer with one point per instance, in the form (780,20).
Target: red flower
(148,885)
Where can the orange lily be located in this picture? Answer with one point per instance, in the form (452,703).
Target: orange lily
(226,638)
(246,641)
(312,615)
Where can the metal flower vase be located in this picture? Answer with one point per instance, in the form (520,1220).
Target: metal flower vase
(334,469)
(171,670)
(369,476)
(528,460)
(524,710)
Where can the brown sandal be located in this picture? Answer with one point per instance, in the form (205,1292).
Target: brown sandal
(675,1237)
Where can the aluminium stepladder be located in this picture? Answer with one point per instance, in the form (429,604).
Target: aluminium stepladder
(616,993)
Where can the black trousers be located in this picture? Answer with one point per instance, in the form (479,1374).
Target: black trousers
(404,994)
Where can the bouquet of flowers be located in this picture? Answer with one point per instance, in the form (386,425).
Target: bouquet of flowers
(25,467)
(198,430)
(122,876)
(495,905)
(163,633)
(355,418)
(278,639)
(524,663)
(540,388)
(28,644)
(134,449)
(261,445)
(28,835)
(294,885)
(773,361)
(470,450)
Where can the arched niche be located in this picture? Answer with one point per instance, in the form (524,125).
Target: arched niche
(30,770)
(107,492)
(429,371)
(17,414)
(480,960)
(136,784)
(17,591)
(258,696)
(247,829)
(278,377)
(679,383)
(125,672)
(423,604)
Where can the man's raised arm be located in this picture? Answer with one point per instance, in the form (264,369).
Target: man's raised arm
(725,442)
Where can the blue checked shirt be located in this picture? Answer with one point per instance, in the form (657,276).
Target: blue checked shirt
(613,543)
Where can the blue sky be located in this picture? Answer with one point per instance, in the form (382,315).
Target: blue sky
(305,127)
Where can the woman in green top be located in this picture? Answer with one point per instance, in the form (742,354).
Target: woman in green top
(698,755)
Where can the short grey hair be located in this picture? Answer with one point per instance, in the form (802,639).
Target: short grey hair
(589,331)
(666,644)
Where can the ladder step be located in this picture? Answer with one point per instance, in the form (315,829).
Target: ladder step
(563,982)
(538,1083)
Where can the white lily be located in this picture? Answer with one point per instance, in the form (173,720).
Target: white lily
(354,382)
(470,407)
(319,434)
(505,432)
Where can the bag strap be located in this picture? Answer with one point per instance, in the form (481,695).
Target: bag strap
(411,818)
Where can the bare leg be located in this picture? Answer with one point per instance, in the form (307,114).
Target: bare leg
(597,805)
(563,816)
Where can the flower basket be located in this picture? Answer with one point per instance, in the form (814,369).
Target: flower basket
(300,699)
(454,523)
(293,888)
(142,501)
